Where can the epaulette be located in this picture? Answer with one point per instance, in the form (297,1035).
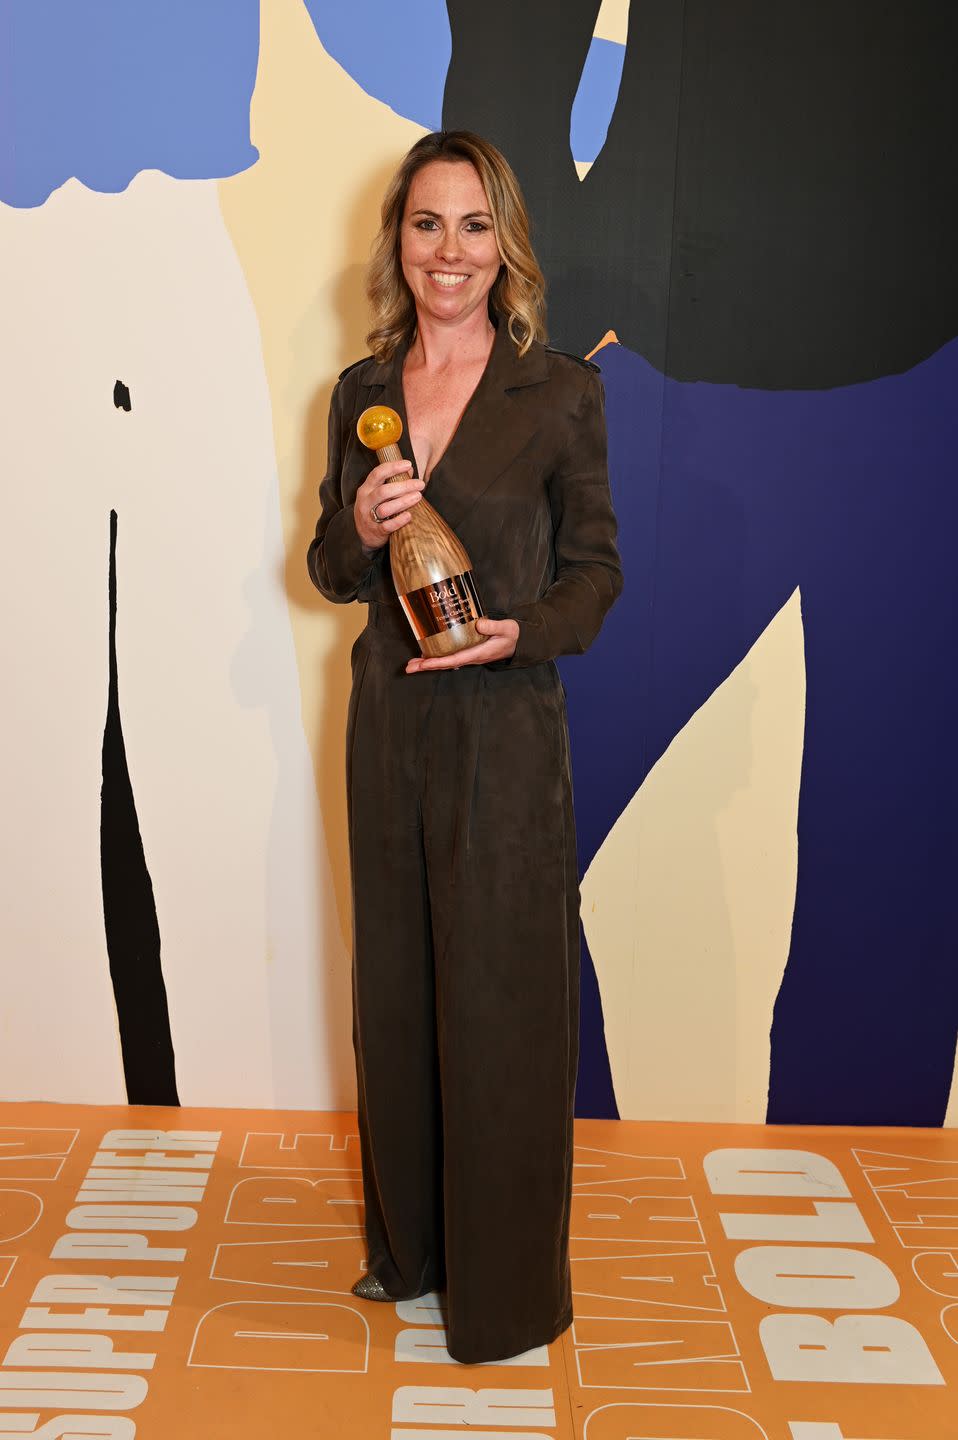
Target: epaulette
(579,360)
(353,365)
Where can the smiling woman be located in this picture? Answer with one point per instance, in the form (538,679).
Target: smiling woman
(466,961)
(450,260)
(454,179)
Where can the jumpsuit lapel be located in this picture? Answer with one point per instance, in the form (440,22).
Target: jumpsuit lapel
(496,424)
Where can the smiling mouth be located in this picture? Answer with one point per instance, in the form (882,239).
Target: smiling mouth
(448,282)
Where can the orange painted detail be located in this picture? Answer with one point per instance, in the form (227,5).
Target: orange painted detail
(609,338)
(180,1272)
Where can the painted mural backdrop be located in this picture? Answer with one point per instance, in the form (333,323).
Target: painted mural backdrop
(748,212)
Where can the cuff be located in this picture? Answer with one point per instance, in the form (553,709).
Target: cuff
(347,563)
(532,646)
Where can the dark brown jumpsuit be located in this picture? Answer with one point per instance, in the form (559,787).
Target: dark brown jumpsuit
(462,843)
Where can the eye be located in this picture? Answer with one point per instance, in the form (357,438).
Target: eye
(424,224)
(476,226)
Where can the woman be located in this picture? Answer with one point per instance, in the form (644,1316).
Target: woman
(465,895)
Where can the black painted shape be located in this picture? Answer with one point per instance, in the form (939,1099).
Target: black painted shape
(776,203)
(121,396)
(129,910)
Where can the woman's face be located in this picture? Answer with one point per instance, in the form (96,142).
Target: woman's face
(447,244)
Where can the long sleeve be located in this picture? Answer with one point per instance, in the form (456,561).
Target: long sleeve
(338,564)
(588,576)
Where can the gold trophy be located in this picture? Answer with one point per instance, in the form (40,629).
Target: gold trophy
(432,572)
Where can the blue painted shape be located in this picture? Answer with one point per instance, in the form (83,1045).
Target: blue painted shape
(103,91)
(399,54)
(727,500)
(595,98)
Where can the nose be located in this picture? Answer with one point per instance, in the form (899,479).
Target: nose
(450,246)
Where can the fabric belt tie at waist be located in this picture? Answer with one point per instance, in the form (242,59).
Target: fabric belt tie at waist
(387,629)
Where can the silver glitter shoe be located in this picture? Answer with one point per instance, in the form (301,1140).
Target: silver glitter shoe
(367,1287)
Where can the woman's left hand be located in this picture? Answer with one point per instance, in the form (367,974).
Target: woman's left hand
(501,645)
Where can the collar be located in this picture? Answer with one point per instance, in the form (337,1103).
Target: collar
(496,424)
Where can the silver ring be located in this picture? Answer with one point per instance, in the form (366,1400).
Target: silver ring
(374,512)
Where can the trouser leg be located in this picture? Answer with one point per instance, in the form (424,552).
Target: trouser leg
(504,895)
(394,1013)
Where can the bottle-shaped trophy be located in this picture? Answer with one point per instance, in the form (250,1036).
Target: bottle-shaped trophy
(431,569)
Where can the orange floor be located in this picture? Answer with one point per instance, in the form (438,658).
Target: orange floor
(168,1273)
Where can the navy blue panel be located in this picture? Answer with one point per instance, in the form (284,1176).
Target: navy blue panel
(728,499)
(607,689)
(594,1095)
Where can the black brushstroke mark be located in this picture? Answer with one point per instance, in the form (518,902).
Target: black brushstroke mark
(129,911)
(121,397)
(776,203)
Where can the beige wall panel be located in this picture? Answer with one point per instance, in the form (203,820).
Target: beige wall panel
(612,21)
(145,287)
(688,904)
(302,220)
(951,1115)
(58,1036)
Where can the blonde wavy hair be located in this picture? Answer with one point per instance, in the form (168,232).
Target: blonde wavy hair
(518,292)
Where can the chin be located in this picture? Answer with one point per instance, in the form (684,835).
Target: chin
(445,312)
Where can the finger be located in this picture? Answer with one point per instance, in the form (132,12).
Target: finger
(396,522)
(396,497)
(395,504)
(475,655)
(397,473)
(400,487)
(390,468)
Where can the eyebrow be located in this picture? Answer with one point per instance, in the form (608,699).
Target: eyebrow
(472,214)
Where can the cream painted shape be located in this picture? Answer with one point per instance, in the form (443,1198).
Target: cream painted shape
(144,287)
(301,221)
(612,21)
(688,904)
(951,1114)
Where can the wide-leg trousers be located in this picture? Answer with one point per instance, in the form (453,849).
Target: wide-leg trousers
(465,989)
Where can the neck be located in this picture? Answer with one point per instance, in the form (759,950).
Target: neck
(437,347)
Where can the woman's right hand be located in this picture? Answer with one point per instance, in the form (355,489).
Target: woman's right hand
(391,499)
